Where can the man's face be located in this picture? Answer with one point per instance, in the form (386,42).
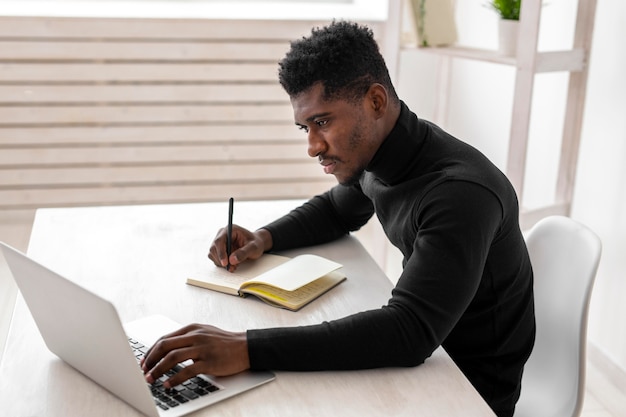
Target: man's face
(340,133)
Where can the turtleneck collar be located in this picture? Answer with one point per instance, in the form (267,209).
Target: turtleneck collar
(398,154)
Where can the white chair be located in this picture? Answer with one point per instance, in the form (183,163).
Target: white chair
(565,256)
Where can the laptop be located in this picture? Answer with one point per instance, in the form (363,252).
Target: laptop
(85,331)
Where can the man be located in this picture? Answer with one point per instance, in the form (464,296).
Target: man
(467,279)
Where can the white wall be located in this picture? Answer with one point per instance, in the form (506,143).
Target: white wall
(479,113)
(600,195)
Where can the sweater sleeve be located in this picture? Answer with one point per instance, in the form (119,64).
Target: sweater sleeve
(455,226)
(324,218)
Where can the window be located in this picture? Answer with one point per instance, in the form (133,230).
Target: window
(214,9)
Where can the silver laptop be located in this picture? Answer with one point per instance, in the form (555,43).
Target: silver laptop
(85,331)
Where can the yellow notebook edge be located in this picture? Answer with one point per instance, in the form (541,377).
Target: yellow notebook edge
(336,278)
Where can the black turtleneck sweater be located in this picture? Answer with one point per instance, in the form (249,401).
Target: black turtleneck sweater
(466,282)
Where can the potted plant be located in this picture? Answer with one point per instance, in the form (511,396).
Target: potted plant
(508,10)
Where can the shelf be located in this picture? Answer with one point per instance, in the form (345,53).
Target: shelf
(527,63)
(466,53)
(570,60)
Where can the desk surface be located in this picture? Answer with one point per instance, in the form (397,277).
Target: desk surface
(139,258)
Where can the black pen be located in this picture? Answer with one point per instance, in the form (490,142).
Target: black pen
(229,235)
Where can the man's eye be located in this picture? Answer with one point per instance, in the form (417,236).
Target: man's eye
(321,122)
(304,128)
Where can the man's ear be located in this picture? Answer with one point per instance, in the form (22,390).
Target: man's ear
(377,99)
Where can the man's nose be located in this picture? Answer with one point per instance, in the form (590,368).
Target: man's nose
(317,145)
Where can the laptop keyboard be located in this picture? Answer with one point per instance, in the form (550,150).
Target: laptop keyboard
(189,390)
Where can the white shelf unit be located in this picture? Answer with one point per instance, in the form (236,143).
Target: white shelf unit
(528,62)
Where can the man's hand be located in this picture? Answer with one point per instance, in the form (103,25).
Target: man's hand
(212,350)
(245,245)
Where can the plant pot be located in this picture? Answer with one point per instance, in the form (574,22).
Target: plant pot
(507,37)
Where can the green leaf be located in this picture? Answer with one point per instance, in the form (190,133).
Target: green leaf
(507,9)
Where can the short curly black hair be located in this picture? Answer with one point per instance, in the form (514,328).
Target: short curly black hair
(343,56)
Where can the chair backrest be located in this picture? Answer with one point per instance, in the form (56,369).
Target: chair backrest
(565,256)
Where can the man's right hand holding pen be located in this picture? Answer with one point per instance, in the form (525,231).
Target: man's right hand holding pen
(244,245)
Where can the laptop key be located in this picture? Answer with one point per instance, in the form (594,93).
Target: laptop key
(161,405)
(189,394)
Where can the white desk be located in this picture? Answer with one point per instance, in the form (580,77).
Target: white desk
(139,257)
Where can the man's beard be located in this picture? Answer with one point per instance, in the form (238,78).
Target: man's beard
(353,179)
(357,139)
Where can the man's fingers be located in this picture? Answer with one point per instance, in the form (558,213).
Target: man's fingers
(246,245)
(156,358)
(217,251)
(169,361)
(249,251)
(211,350)
(182,375)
